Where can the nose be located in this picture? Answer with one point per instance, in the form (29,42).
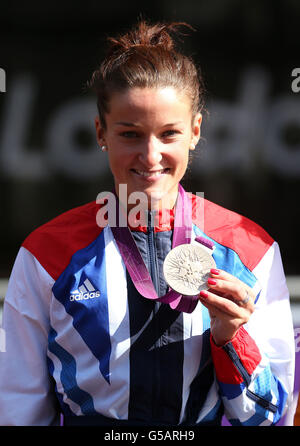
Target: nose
(150,154)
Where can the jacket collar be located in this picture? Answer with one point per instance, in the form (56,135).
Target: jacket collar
(160,221)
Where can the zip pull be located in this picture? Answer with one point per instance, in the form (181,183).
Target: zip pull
(151,223)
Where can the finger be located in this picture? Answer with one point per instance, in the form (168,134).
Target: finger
(212,300)
(224,275)
(245,290)
(213,311)
(237,291)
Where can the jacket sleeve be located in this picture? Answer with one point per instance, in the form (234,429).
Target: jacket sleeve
(255,370)
(26,393)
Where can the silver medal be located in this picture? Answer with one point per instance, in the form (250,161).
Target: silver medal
(187,267)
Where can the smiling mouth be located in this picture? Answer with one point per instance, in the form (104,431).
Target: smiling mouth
(154,173)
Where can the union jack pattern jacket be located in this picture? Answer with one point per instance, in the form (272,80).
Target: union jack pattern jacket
(82,342)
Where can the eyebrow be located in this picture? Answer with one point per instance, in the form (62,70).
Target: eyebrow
(132,124)
(126,124)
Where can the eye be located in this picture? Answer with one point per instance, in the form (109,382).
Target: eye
(169,133)
(129,134)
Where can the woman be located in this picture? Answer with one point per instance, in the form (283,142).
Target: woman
(85,336)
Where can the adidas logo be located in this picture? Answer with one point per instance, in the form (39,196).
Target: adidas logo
(84,292)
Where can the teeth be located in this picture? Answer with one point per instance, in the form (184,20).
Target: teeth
(150,174)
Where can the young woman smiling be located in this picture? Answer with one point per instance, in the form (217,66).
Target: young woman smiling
(93,329)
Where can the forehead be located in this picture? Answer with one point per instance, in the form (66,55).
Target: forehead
(149,103)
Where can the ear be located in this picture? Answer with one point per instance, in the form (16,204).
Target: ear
(99,132)
(196,130)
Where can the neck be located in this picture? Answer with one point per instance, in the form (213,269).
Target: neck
(142,202)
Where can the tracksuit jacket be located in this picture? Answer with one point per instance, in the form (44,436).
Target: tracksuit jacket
(82,342)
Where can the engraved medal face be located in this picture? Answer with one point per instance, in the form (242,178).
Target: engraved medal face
(187,267)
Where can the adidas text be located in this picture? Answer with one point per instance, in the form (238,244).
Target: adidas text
(84,296)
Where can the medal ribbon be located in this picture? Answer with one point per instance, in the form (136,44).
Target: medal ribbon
(135,264)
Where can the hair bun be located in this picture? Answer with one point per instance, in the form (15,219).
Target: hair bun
(147,35)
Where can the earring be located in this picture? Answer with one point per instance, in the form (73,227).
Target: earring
(104,148)
(192,146)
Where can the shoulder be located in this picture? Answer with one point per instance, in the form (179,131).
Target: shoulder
(230,229)
(54,243)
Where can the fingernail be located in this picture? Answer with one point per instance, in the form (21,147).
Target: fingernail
(204,294)
(211,281)
(215,271)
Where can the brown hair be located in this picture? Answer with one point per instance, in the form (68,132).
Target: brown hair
(146,57)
